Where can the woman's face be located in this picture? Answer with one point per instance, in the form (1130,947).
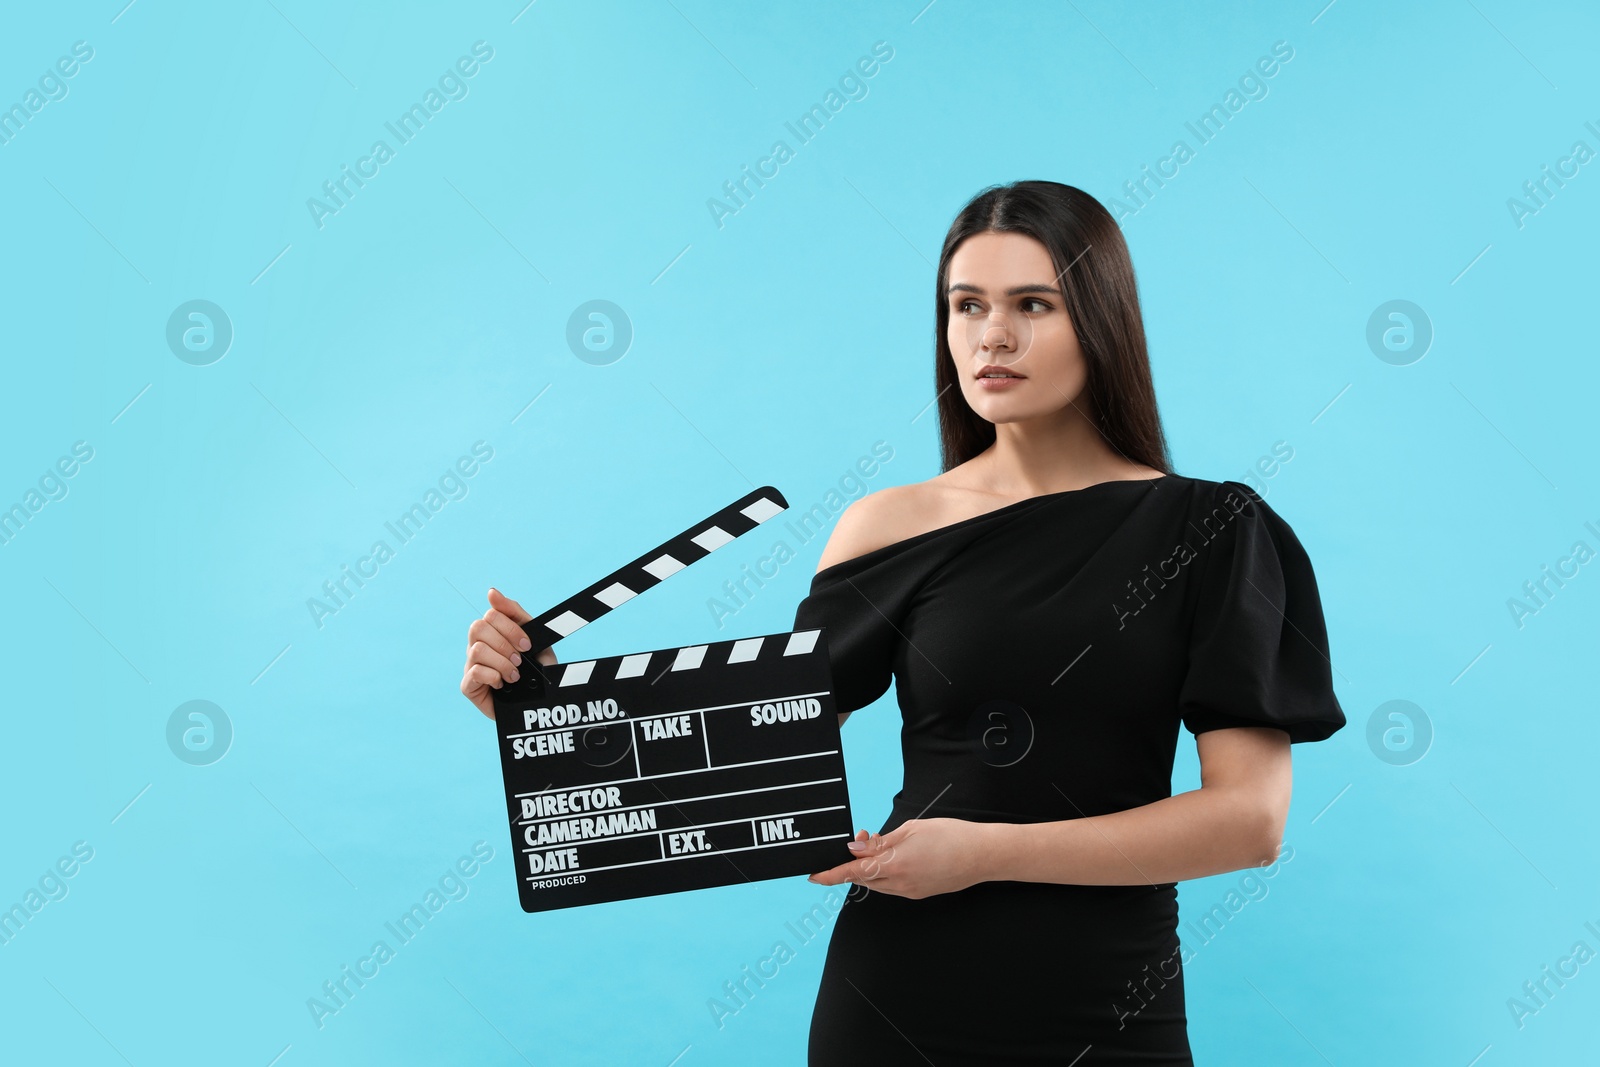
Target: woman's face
(1008,317)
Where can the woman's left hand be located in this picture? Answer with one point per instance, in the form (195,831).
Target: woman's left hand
(919,858)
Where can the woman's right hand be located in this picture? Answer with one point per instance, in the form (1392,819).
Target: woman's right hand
(496,647)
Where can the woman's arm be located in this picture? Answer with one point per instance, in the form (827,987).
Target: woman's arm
(1234,820)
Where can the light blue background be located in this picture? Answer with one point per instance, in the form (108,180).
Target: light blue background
(426,315)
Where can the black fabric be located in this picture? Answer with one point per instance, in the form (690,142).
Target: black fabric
(1044,656)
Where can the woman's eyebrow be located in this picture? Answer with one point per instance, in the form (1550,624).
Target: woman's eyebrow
(1015,290)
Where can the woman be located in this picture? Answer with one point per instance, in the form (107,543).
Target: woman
(1051,607)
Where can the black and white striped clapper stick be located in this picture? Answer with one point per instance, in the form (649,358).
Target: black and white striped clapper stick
(674,769)
(668,558)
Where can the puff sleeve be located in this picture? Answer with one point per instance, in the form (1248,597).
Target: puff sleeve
(852,607)
(1258,643)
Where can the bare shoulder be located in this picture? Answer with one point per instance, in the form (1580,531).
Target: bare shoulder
(895,513)
(870,523)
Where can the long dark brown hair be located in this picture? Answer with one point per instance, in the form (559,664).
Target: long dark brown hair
(1095,272)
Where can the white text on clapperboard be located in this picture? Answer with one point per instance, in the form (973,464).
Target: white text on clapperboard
(591,827)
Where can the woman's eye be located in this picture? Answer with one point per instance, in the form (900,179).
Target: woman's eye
(1031,303)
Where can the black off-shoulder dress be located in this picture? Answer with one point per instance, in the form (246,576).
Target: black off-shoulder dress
(1044,655)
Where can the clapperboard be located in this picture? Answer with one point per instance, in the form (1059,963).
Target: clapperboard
(674,769)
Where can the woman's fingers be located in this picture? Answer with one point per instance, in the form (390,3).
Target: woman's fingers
(512,634)
(482,675)
(507,617)
(481,653)
(500,602)
(497,648)
(476,681)
(482,630)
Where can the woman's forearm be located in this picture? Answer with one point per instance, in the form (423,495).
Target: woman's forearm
(1202,832)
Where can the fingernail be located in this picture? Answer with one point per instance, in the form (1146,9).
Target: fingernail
(855,846)
(524,643)
(516,657)
(811,878)
(515,674)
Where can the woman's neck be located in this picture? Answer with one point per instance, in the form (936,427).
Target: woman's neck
(1050,455)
